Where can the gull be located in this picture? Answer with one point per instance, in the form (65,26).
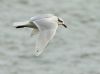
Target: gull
(46,25)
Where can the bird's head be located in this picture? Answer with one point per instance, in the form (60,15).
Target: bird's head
(61,22)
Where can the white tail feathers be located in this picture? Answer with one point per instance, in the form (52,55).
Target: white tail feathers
(20,24)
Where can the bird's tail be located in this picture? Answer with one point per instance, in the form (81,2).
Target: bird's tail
(21,24)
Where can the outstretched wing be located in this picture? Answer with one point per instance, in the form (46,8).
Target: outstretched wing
(47,30)
(43,40)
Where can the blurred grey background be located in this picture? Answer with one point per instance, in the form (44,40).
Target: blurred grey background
(75,50)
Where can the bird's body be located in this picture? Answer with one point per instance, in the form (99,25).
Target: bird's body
(46,25)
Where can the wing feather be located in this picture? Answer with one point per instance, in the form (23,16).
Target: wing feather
(47,30)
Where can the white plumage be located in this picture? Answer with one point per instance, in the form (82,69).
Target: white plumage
(46,25)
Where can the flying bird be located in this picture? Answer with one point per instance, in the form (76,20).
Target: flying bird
(46,25)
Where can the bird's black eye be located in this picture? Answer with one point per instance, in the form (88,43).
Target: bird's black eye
(60,20)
